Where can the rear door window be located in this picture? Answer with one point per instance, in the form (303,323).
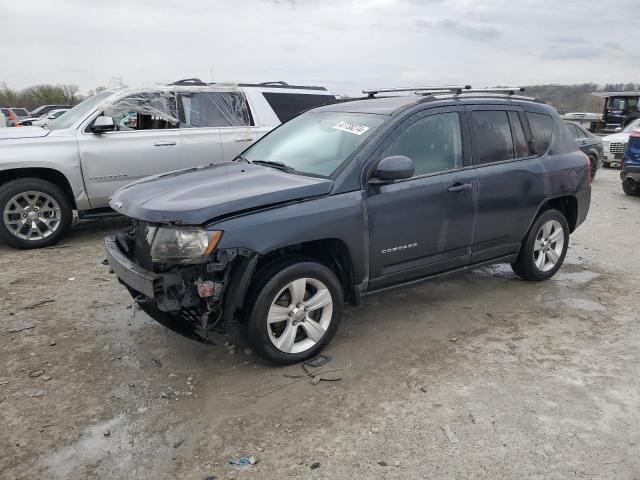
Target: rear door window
(214,109)
(288,105)
(434,143)
(541,128)
(493,141)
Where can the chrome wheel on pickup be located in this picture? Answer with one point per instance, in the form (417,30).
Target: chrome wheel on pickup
(296,309)
(35,213)
(32,215)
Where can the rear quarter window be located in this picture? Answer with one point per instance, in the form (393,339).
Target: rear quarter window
(541,128)
(288,105)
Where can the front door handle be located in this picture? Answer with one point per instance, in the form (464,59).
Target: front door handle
(243,139)
(460,188)
(164,144)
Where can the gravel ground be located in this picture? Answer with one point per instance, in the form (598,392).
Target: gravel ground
(478,375)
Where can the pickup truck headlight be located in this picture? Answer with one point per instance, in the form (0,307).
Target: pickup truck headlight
(188,245)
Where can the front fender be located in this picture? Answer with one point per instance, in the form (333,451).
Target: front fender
(335,216)
(57,151)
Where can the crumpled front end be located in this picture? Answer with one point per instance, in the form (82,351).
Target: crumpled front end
(191,299)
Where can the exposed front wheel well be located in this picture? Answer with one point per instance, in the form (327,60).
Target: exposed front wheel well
(567,205)
(331,252)
(47,174)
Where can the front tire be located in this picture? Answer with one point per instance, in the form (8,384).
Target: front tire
(544,247)
(594,166)
(606,165)
(35,213)
(630,187)
(296,308)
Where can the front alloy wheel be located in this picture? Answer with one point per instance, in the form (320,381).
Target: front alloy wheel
(32,216)
(294,308)
(35,213)
(300,315)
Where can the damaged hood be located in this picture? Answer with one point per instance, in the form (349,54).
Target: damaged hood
(23,132)
(198,195)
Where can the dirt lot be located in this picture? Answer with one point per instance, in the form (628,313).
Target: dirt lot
(478,375)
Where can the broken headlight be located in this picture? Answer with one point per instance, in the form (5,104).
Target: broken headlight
(183,245)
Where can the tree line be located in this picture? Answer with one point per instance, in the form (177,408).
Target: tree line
(37,95)
(565,98)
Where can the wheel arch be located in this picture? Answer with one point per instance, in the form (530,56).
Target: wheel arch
(567,205)
(47,174)
(330,252)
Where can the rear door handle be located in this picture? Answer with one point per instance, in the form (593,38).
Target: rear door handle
(243,139)
(460,187)
(164,144)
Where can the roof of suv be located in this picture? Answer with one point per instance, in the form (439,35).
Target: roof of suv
(395,104)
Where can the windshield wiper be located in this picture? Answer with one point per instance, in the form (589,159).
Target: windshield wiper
(241,157)
(279,165)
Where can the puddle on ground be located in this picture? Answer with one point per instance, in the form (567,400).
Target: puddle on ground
(576,303)
(497,270)
(576,277)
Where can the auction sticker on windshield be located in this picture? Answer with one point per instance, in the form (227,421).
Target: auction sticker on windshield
(351,128)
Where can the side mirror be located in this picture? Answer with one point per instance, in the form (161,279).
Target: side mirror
(393,168)
(103,124)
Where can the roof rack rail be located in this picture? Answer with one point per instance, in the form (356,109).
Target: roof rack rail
(189,81)
(371,92)
(277,82)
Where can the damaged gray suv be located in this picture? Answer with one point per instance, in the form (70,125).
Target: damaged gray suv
(347,200)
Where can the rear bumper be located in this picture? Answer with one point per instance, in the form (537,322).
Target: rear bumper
(584,202)
(133,276)
(632,172)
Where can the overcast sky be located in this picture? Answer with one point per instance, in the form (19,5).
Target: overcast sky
(345,45)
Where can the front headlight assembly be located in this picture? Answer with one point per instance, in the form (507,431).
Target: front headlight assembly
(188,245)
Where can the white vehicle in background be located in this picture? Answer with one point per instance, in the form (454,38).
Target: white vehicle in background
(118,136)
(616,143)
(43,122)
(3,120)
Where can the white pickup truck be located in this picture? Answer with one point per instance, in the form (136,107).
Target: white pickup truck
(118,136)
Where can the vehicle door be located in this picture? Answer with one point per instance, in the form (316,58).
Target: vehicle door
(146,142)
(217,126)
(424,224)
(510,179)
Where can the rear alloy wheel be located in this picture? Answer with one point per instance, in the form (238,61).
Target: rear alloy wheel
(630,187)
(296,312)
(35,213)
(544,248)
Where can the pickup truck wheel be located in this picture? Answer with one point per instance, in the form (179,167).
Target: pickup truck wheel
(630,187)
(35,213)
(544,248)
(296,311)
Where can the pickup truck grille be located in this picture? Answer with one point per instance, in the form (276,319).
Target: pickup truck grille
(617,148)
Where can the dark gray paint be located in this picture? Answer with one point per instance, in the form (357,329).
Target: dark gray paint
(451,229)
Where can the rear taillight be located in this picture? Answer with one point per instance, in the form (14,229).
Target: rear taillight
(588,167)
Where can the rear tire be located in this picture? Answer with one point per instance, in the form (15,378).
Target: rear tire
(35,213)
(594,166)
(630,187)
(544,248)
(295,308)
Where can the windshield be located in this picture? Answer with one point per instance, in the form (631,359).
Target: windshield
(632,126)
(20,112)
(77,112)
(315,142)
